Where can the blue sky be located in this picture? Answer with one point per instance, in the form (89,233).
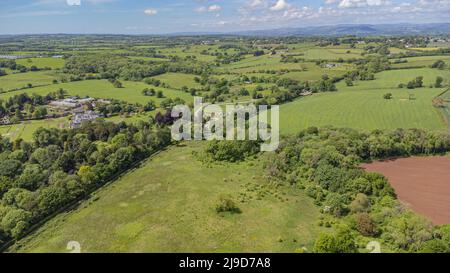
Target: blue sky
(169,16)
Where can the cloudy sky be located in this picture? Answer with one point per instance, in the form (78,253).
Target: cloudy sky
(168,16)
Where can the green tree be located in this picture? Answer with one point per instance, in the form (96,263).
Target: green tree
(15,222)
(387,96)
(340,242)
(439,81)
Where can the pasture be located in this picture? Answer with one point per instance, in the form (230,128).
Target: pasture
(423,61)
(26,129)
(168,205)
(369,111)
(21,80)
(332,54)
(392,78)
(131,91)
(178,80)
(53,63)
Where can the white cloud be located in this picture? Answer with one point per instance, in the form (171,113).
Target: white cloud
(74,2)
(256,3)
(280,5)
(212,8)
(151,11)
(362,3)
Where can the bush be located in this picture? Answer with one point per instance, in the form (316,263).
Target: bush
(231,151)
(341,242)
(365,225)
(226,204)
(387,96)
(360,204)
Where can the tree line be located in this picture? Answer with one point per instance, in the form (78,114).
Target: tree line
(59,166)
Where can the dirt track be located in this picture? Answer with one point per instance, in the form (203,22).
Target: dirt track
(423,183)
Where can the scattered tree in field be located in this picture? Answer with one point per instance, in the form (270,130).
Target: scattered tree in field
(387,96)
(348,82)
(117,84)
(149,92)
(416,83)
(438,64)
(439,81)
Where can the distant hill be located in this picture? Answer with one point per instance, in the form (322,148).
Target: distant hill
(358,30)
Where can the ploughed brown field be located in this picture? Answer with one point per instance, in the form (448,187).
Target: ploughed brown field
(423,183)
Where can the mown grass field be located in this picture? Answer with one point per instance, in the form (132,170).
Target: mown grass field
(131,91)
(26,129)
(331,54)
(362,110)
(392,78)
(21,80)
(421,61)
(178,80)
(363,107)
(53,63)
(168,205)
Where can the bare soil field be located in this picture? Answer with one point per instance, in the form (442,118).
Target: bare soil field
(423,183)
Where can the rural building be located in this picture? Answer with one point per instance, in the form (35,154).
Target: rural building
(71,102)
(79,118)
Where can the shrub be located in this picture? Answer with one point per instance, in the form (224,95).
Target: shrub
(226,204)
(341,242)
(360,204)
(365,225)
(231,151)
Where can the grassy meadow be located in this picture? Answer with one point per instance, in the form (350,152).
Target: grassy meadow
(53,63)
(21,80)
(178,80)
(168,205)
(362,106)
(131,91)
(26,129)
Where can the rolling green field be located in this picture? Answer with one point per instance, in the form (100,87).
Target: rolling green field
(368,111)
(131,91)
(26,129)
(21,80)
(392,78)
(363,107)
(421,61)
(331,54)
(178,80)
(53,63)
(168,204)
